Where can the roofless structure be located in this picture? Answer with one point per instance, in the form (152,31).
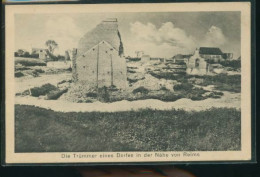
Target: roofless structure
(98,61)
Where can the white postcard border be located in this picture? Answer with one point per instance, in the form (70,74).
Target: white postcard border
(68,157)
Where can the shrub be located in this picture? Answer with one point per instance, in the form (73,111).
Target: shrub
(17,68)
(168,96)
(218,93)
(26,92)
(132,80)
(61,82)
(43,90)
(39,70)
(141,90)
(163,75)
(223,82)
(131,71)
(212,95)
(34,55)
(55,94)
(91,94)
(221,78)
(230,88)
(61,57)
(180,76)
(197,97)
(69,69)
(131,67)
(183,87)
(113,88)
(235,64)
(196,94)
(26,54)
(34,73)
(18,74)
(164,88)
(215,95)
(103,94)
(134,59)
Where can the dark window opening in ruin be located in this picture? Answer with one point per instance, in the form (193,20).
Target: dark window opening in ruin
(83,55)
(111,49)
(197,63)
(40,50)
(108,72)
(84,67)
(93,49)
(106,51)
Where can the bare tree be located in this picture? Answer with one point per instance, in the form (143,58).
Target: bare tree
(52,45)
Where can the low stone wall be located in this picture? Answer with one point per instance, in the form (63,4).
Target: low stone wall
(59,64)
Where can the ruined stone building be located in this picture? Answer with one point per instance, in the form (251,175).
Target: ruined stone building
(179,58)
(196,64)
(205,59)
(145,58)
(41,52)
(98,61)
(214,54)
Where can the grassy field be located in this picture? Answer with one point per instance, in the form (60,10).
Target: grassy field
(41,130)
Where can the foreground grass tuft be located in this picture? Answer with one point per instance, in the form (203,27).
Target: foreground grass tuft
(41,130)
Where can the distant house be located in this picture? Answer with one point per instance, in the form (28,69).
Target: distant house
(214,54)
(211,54)
(145,58)
(21,53)
(228,56)
(179,58)
(41,52)
(132,59)
(156,59)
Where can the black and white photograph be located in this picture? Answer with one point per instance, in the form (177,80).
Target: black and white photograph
(137,84)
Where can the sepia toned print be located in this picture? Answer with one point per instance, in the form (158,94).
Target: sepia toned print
(143,84)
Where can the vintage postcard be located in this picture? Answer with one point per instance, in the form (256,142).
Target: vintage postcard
(117,83)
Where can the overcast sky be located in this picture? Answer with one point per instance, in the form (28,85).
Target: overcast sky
(157,34)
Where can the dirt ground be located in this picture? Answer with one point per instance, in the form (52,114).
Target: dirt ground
(228,100)
(24,83)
